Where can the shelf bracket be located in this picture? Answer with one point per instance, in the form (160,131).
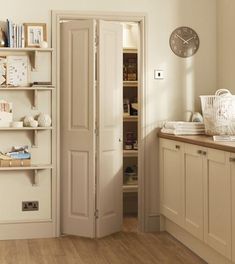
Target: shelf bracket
(35,100)
(35,178)
(35,139)
(34,60)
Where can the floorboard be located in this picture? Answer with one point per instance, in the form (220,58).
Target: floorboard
(121,248)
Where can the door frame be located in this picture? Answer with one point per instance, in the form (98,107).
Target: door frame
(141,18)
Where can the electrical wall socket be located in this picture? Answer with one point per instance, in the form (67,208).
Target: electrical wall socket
(30,206)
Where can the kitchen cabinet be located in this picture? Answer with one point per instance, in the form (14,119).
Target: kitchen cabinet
(217,207)
(232,170)
(196,187)
(171,181)
(194,171)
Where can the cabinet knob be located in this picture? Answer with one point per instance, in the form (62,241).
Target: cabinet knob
(199,151)
(177,146)
(204,153)
(232,159)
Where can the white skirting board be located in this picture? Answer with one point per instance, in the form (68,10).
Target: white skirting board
(152,223)
(27,230)
(198,247)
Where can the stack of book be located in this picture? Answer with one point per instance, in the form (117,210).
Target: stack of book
(183,128)
(18,156)
(15,35)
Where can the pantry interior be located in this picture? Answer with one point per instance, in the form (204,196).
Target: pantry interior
(130,126)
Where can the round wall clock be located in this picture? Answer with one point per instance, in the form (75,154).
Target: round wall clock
(184,42)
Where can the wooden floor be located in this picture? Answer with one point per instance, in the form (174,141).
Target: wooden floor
(122,248)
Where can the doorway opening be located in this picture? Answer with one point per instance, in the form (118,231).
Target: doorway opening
(133,121)
(130,126)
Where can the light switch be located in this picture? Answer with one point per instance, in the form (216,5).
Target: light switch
(158,74)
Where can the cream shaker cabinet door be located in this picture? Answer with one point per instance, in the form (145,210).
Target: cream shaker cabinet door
(232,167)
(194,170)
(171,180)
(217,207)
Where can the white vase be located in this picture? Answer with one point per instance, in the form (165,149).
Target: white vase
(44,120)
(27,120)
(33,123)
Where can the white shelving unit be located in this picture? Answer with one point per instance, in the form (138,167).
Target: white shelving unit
(130,122)
(38,180)
(33,55)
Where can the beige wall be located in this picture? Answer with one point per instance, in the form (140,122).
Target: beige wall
(226,44)
(185,79)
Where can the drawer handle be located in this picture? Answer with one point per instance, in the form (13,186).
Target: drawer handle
(232,159)
(177,146)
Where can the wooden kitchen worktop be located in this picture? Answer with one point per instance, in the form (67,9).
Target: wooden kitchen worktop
(201,140)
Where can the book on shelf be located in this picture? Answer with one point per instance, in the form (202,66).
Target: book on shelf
(15,35)
(41,84)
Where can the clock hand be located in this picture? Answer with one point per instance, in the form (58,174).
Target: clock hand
(184,41)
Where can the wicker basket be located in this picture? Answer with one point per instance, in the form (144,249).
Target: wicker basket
(219,113)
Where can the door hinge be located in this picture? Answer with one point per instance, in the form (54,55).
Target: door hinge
(97,40)
(96,214)
(96,128)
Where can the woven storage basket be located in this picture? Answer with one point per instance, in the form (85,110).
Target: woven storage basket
(219,113)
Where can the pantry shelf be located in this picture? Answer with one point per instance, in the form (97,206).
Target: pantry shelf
(128,188)
(130,153)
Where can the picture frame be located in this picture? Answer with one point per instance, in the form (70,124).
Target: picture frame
(35,33)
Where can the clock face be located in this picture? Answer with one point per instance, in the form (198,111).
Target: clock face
(184,42)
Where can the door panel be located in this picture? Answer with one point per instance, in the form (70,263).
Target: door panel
(218,202)
(194,173)
(77,128)
(171,180)
(109,101)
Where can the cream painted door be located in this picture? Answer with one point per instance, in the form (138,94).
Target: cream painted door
(171,180)
(109,102)
(77,128)
(232,167)
(195,163)
(217,188)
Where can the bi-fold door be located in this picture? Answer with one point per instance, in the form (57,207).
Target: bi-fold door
(91,128)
